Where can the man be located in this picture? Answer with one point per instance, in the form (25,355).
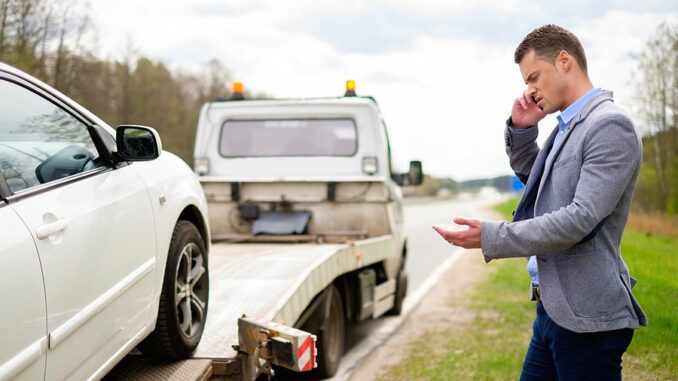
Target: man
(570,219)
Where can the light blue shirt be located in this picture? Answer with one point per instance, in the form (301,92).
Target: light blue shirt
(564,120)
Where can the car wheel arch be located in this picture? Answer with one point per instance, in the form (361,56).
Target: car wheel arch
(192,214)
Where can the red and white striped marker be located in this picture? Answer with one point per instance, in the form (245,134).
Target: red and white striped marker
(304,350)
(307,354)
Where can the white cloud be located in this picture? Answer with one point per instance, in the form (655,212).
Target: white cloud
(442,71)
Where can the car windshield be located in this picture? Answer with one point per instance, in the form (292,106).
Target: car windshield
(288,137)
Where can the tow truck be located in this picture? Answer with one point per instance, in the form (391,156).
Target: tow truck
(306,220)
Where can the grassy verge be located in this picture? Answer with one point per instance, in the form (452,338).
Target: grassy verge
(653,260)
(493,345)
(489,347)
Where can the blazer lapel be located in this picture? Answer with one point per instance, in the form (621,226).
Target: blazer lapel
(604,97)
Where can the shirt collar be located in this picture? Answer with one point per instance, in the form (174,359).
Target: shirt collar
(572,110)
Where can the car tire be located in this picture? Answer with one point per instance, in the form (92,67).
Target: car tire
(400,293)
(183,299)
(331,337)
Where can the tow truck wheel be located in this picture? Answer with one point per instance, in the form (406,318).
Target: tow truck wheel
(401,291)
(331,336)
(183,301)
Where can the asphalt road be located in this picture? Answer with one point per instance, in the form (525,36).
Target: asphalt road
(427,249)
(428,254)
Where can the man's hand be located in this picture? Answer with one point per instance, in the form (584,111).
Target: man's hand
(468,238)
(525,112)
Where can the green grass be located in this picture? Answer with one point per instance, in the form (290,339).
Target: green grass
(493,344)
(507,207)
(654,262)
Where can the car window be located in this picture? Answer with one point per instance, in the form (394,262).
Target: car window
(39,141)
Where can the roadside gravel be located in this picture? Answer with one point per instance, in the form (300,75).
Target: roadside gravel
(435,312)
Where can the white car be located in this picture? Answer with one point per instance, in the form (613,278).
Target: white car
(103,240)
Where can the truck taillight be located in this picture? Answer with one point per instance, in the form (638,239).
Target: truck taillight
(370,165)
(201,166)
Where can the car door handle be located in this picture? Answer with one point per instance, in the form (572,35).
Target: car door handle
(46,230)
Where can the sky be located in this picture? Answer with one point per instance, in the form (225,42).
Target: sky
(441,70)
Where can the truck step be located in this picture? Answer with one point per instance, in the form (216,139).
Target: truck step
(137,368)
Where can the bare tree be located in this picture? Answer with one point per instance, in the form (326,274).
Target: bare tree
(4,19)
(657,93)
(69,33)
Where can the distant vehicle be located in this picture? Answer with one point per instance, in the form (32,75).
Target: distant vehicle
(307,223)
(104,240)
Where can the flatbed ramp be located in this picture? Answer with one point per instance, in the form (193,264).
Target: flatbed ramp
(274,282)
(255,280)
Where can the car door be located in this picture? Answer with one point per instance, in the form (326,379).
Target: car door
(92,225)
(23,324)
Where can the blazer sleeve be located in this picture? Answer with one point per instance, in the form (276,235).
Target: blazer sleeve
(610,160)
(521,148)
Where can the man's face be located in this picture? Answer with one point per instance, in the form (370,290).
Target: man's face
(546,84)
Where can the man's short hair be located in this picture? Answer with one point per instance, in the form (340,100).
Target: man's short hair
(547,41)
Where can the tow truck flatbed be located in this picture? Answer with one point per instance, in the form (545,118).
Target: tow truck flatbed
(272,281)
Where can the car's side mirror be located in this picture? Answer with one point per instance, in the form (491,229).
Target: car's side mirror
(416,173)
(137,143)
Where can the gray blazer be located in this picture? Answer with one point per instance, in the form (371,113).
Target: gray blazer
(572,215)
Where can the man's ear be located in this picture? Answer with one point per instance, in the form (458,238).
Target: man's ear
(564,60)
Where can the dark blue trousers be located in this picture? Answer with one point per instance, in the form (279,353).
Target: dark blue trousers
(556,353)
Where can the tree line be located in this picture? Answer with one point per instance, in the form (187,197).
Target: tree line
(51,40)
(656,84)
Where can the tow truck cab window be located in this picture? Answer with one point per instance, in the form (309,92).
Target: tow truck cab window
(39,142)
(288,137)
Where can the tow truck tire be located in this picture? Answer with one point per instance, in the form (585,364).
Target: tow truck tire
(183,301)
(331,337)
(400,293)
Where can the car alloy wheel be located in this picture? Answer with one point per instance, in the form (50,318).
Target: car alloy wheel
(184,299)
(191,293)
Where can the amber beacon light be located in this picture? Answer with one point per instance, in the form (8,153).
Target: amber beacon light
(237,90)
(350,88)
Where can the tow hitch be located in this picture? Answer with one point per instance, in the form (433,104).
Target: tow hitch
(268,343)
